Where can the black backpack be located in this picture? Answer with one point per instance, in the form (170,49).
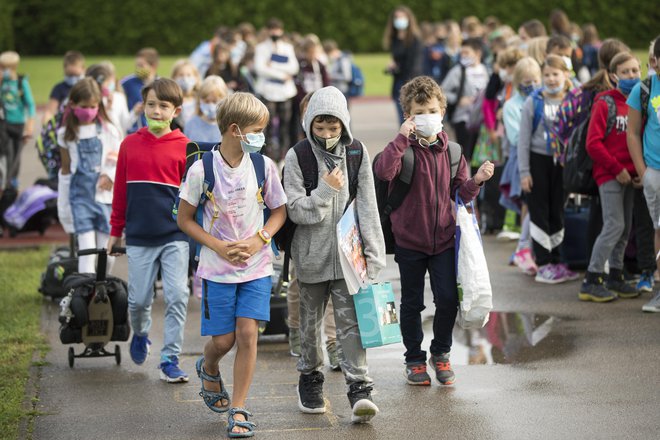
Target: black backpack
(310,172)
(578,165)
(389,201)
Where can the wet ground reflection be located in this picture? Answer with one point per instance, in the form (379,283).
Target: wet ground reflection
(507,338)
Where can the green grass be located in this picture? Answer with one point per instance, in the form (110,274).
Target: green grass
(20,335)
(45,72)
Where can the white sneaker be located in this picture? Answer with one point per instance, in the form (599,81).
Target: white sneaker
(653,306)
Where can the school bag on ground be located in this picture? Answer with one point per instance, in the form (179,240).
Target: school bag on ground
(575,249)
(204,151)
(35,209)
(61,263)
(388,201)
(578,165)
(310,172)
(475,294)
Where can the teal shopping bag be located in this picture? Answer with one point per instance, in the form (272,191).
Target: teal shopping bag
(376,314)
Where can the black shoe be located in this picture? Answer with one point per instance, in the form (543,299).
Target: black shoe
(616,283)
(310,393)
(364,409)
(592,289)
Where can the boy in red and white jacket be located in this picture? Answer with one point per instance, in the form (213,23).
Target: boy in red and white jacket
(151,165)
(614,172)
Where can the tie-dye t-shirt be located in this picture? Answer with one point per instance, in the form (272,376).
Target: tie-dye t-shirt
(240,215)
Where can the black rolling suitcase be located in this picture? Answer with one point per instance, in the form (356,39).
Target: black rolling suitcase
(95,310)
(575,247)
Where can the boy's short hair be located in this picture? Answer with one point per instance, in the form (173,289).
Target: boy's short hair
(558,42)
(72,57)
(534,28)
(473,43)
(421,90)
(9,59)
(327,118)
(241,108)
(166,90)
(274,23)
(149,54)
(656,47)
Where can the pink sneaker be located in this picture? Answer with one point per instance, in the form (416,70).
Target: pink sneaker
(524,260)
(566,272)
(550,274)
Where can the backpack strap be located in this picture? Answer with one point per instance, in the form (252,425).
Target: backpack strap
(259,164)
(645,96)
(207,190)
(401,183)
(537,98)
(353,161)
(611,113)
(461,84)
(308,165)
(455,152)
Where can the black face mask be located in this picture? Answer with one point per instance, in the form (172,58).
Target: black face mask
(275,38)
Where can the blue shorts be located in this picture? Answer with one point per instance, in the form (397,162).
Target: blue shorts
(222,303)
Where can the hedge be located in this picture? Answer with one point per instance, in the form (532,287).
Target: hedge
(48,27)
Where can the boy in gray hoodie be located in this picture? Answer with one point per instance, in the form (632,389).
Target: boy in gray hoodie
(315,254)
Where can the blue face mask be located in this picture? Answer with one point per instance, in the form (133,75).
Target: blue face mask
(6,73)
(253,143)
(71,80)
(555,90)
(526,90)
(626,85)
(208,109)
(400,23)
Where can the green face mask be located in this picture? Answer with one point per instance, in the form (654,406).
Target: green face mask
(142,73)
(157,126)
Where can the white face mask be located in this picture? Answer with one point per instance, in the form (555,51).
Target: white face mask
(568,62)
(428,124)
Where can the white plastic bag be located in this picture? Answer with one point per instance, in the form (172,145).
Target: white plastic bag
(63,205)
(474,291)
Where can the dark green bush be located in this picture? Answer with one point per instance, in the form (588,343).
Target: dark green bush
(47,27)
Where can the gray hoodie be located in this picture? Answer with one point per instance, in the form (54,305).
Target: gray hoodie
(314,247)
(534,142)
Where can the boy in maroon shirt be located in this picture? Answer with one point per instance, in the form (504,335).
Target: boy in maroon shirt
(424,225)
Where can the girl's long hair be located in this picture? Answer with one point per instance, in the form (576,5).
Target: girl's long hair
(600,82)
(412,32)
(87,89)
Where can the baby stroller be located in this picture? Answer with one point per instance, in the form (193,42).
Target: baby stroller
(95,311)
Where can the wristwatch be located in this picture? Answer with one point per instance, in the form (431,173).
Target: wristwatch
(265,236)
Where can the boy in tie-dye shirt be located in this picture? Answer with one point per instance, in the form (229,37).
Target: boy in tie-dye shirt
(236,259)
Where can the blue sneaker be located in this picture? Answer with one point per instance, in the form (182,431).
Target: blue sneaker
(170,371)
(139,348)
(645,283)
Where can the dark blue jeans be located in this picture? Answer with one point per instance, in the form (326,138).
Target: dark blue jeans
(413,266)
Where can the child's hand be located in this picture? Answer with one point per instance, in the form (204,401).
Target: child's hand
(234,252)
(637,183)
(112,242)
(484,173)
(335,179)
(105,183)
(526,184)
(249,247)
(408,126)
(138,108)
(624,177)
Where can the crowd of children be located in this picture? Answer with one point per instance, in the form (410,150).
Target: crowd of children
(514,101)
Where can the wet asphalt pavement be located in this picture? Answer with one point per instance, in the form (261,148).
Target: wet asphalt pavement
(545,367)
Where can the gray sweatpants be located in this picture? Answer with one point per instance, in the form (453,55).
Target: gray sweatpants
(313,300)
(617,203)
